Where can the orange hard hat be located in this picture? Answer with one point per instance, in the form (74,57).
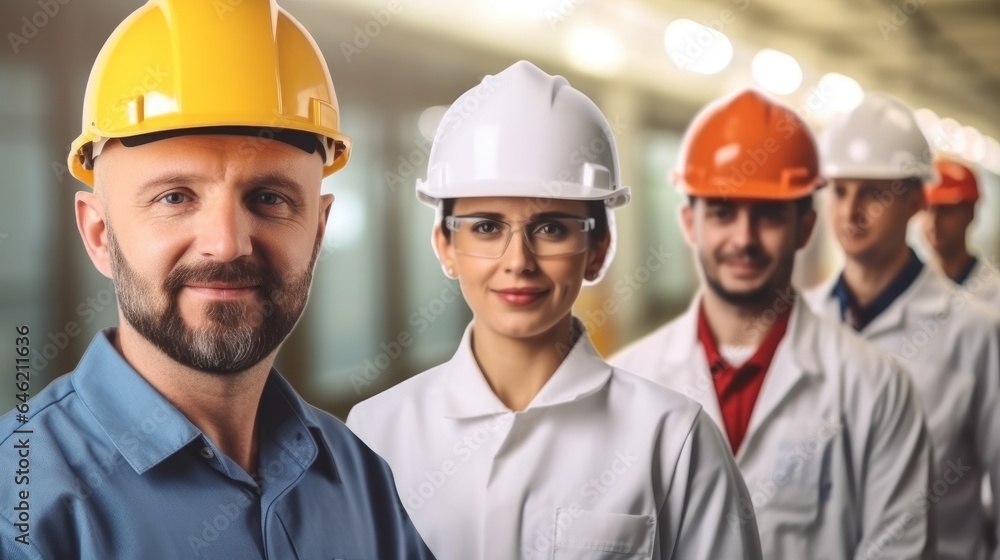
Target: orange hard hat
(748,145)
(957,184)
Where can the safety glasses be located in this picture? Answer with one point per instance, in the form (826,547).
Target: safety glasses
(480,236)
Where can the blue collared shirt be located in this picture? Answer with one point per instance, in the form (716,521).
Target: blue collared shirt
(116,472)
(859,317)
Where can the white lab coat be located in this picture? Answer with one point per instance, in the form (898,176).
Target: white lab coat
(836,452)
(952,350)
(601,464)
(983,283)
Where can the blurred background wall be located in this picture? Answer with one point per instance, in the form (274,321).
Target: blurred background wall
(381,310)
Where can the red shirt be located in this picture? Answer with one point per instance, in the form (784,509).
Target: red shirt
(738,388)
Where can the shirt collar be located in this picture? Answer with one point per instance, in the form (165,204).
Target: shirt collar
(681,339)
(863,316)
(963,276)
(468,395)
(293,425)
(706,338)
(146,428)
(762,356)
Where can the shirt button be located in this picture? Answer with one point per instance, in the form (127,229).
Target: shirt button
(207,453)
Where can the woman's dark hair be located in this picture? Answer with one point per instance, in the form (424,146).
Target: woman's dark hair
(595,209)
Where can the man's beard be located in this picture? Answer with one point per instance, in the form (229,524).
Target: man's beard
(240,334)
(758,298)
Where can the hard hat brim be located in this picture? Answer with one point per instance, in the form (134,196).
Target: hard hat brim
(877,173)
(338,145)
(948,198)
(528,189)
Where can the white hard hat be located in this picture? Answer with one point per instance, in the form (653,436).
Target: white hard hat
(879,139)
(524,133)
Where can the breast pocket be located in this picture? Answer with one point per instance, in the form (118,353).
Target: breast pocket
(590,535)
(789,494)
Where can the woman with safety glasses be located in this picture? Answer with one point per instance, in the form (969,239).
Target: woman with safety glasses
(526,444)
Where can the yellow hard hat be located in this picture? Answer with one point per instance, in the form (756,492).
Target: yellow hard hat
(190,64)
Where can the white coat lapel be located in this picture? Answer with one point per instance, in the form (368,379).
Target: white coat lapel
(582,373)
(890,319)
(468,395)
(466,392)
(825,303)
(794,359)
(920,298)
(822,300)
(684,367)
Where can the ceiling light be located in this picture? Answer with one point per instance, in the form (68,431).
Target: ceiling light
(593,49)
(698,48)
(776,71)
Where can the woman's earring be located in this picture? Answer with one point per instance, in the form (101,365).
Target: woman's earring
(451,273)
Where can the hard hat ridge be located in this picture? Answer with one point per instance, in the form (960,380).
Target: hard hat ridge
(523,132)
(878,139)
(184,64)
(748,145)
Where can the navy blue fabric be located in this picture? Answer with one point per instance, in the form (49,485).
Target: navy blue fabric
(117,472)
(967,271)
(859,317)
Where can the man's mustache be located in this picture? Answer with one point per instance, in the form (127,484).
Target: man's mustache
(748,254)
(243,272)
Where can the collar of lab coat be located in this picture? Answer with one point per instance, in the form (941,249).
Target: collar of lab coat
(963,276)
(468,395)
(984,281)
(685,346)
(928,295)
(795,359)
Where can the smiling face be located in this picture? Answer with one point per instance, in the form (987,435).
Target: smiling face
(520,295)
(869,217)
(746,248)
(211,242)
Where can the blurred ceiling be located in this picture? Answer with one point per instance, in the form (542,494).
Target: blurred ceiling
(941,55)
